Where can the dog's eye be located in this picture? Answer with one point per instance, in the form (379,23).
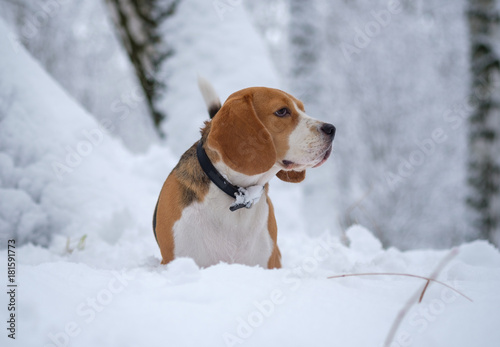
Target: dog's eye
(282,112)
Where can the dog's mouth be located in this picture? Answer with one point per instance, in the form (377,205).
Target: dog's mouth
(325,157)
(290,165)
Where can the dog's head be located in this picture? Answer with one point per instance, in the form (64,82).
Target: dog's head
(260,128)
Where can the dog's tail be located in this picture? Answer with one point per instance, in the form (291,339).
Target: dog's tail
(210,96)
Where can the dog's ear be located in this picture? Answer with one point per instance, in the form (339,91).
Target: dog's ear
(240,138)
(291,176)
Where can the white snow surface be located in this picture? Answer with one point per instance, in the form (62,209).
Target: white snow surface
(120,295)
(112,291)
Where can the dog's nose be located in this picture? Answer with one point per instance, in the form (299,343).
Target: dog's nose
(328,129)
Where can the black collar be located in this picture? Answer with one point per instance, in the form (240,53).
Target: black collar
(219,180)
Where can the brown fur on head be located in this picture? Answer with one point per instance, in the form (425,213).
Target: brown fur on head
(249,137)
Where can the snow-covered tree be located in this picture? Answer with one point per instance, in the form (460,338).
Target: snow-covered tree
(75,43)
(138,23)
(304,37)
(484,120)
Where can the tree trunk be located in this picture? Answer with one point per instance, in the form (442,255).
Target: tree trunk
(138,24)
(484,121)
(304,42)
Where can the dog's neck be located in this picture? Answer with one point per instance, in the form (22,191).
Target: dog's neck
(237,178)
(245,181)
(246,190)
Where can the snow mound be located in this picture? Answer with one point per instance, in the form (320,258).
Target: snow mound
(183,270)
(120,295)
(362,240)
(61,171)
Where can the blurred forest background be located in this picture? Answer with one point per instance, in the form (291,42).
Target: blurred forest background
(413,88)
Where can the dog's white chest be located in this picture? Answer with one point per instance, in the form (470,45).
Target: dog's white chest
(209,233)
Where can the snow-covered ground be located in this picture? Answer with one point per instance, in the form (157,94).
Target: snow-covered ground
(62,174)
(118,295)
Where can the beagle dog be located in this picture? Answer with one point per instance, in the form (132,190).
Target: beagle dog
(214,206)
